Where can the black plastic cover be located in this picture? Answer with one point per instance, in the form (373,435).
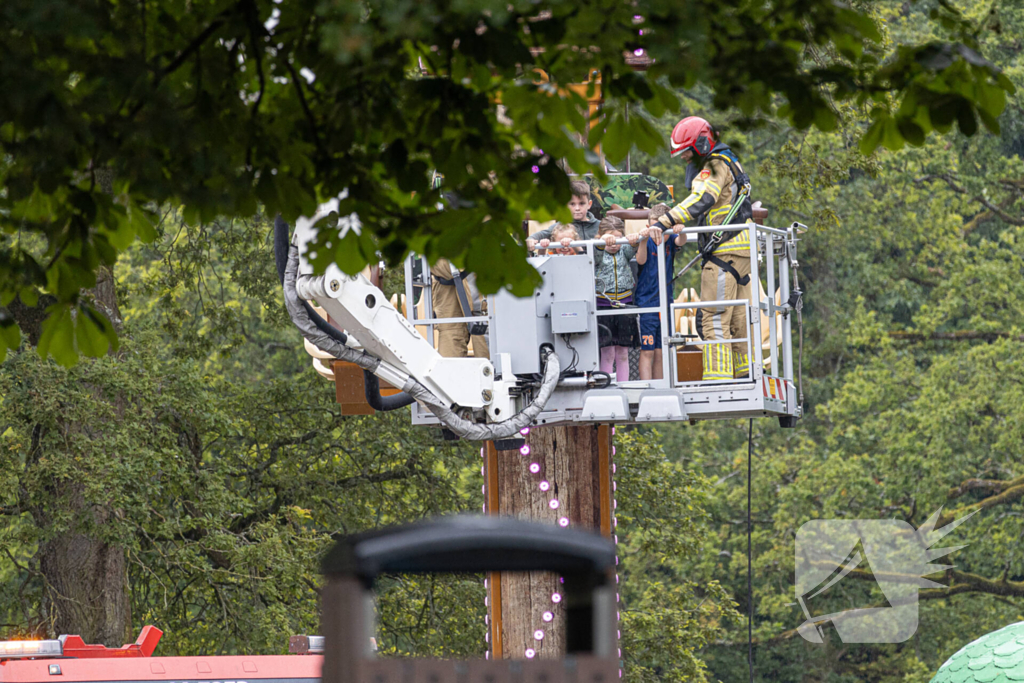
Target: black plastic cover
(472,544)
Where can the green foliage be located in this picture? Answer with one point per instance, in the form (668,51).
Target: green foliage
(667,617)
(224,457)
(911,273)
(231,472)
(225,106)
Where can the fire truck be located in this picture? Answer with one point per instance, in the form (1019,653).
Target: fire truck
(68,659)
(458,544)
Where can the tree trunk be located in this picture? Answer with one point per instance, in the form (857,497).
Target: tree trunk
(570,487)
(86,586)
(86,578)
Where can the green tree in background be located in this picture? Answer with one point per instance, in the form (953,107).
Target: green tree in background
(913,340)
(205,467)
(224,106)
(229,471)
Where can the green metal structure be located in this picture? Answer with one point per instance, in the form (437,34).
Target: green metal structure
(997,657)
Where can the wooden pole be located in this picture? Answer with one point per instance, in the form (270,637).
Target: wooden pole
(563,476)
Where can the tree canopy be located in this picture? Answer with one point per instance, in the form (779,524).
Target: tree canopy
(227,469)
(112,109)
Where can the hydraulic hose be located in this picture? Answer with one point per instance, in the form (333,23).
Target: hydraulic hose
(372,385)
(327,340)
(499,430)
(383,403)
(281,244)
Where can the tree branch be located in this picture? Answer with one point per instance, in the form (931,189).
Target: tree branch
(1010,495)
(196,43)
(305,106)
(990,484)
(959,189)
(252,14)
(959,335)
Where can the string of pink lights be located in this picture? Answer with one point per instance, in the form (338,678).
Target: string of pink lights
(553,503)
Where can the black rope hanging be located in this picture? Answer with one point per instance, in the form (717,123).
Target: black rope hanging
(750,583)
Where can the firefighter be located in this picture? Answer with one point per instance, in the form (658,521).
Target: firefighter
(716,181)
(454,295)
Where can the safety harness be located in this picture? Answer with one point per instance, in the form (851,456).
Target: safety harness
(465,290)
(708,244)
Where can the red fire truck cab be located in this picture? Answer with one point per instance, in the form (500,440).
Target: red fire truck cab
(70,660)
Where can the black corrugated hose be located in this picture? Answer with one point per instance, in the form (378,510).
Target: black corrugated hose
(373,397)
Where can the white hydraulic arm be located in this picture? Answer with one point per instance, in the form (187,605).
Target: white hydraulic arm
(377,327)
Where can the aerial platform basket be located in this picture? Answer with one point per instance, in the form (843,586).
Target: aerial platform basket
(561,318)
(517,327)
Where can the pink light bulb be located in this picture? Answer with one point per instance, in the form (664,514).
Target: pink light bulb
(538,635)
(616,578)
(534,467)
(544,486)
(487,655)
(530,653)
(524,449)
(615,487)
(638,52)
(613,431)
(563,522)
(481,452)
(487,637)
(548,616)
(553,504)
(613,468)
(524,431)
(613,450)
(556,598)
(616,597)
(483,489)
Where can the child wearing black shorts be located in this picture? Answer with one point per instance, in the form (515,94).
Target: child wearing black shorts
(614,278)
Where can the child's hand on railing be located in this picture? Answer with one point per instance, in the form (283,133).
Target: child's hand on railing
(654,232)
(634,239)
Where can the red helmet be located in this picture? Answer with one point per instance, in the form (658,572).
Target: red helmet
(695,134)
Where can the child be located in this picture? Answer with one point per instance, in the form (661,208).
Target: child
(561,236)
(582,219)
(647,291)
(615,290)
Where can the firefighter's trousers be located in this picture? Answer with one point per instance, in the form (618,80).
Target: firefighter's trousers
(725,361)
(453,338)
